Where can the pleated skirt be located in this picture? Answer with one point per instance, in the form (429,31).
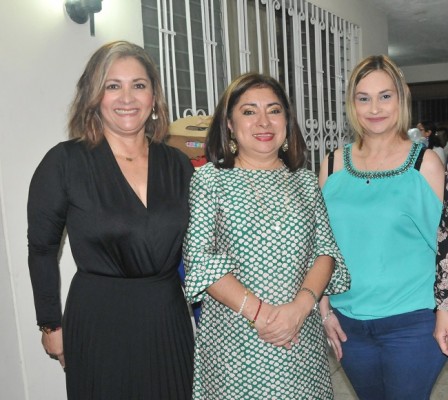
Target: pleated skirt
(127,339)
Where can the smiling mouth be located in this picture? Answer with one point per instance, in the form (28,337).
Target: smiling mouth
(374,119)
(263,136)
(125,112)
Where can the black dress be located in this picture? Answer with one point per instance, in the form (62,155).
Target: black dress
(126,327)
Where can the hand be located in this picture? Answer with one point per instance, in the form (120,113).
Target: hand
(53,346)
(335,335)
(283,325)
(441,330)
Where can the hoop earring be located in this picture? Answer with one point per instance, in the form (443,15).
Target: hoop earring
(154,115)
(285,146)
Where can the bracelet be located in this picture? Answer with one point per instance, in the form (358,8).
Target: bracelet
(327,315)
(252,322)
(47,330)
(316,301)
(246,295)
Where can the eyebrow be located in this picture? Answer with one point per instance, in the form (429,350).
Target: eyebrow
(382,92)
(134,80)
(275,103)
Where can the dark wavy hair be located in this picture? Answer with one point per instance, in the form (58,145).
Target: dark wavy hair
(433,140)
(217,142)
(85,121)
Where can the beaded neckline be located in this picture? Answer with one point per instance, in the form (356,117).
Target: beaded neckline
(368,175)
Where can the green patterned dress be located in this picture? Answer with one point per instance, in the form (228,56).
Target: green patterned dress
(266,228)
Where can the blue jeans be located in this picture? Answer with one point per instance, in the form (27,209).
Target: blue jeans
(393,358)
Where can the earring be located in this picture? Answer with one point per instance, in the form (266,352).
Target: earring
(154,115)
(233,146)
(285,146)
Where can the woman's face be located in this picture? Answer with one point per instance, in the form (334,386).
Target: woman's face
(376,104)
(258,122)
(128,98)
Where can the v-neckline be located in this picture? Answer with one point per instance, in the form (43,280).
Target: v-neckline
(126,182)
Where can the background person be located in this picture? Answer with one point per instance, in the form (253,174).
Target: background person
(259,252)
(384,199)
(441,285)
(429,131)
(122,196)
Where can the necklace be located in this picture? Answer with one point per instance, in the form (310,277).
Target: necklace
(127,158)
(132,158)
(275,222)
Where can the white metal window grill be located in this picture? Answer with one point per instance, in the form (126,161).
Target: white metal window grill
(200,45)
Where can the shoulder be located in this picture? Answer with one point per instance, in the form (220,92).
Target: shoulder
(172,155)
(207,172)
(431,161)
(433,171)
(170,151)
(60,152)
(207,176)
(307,181)
(306,175)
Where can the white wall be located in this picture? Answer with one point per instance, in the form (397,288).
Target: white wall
(426,73)
(42,55)
(372,22)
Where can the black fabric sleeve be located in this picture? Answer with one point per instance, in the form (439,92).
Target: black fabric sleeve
(47,208)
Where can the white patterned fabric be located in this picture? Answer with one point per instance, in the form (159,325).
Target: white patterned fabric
(266,228)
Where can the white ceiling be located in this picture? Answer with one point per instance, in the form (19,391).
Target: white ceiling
(418,30)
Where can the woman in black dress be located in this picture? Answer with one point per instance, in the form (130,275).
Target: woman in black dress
(121,194)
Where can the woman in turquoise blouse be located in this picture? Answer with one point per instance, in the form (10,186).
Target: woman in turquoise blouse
(384,199)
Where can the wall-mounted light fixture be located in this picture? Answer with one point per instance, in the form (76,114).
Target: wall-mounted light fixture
(82,10)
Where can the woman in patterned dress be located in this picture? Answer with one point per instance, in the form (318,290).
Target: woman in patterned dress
(260,253)
(441,286)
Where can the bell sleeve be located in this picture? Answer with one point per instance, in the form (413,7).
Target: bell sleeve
(206,259)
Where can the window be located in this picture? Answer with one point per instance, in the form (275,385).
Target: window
(200,45)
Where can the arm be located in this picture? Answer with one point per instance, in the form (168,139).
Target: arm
(46,221)
(433,172)
(229,291)
(333,330)
(208,264)
(441,284)
(441,330)
(326,273)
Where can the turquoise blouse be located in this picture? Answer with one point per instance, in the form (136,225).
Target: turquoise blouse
(385,223)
